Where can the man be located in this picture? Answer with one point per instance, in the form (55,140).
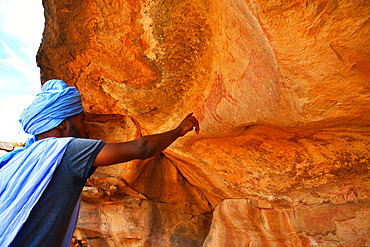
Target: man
(40,186)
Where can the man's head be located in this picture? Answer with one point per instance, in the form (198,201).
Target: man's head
(73,126)
(58,108)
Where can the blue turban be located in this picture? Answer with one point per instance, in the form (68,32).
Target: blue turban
(55,103)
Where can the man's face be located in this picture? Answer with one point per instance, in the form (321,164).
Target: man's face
(76,126)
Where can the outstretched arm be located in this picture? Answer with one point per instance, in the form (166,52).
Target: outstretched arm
(145,146)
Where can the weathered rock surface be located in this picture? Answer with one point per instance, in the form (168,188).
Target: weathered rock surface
(281,90)
(6,146)
(267,225)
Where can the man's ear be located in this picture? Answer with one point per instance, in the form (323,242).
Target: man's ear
(62,125)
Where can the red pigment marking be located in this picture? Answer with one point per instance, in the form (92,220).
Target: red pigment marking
(217,93)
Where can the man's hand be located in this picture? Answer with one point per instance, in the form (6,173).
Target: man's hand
(188,124)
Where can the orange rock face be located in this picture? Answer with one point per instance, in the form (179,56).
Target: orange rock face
(281,90)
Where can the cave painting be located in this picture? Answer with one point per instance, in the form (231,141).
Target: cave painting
(217,93)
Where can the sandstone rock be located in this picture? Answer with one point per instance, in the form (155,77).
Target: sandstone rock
(7,146)
(282,95)
(240,222)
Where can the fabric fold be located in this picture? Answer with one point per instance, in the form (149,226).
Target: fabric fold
(23,178)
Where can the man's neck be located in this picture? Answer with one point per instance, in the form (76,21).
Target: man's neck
(50,133)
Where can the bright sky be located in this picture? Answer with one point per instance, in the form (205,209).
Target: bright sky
(21,27)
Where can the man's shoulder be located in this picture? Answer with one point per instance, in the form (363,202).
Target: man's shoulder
(77,144)
(85,141)
(80,155)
